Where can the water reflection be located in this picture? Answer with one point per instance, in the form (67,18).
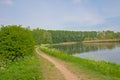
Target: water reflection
(109,52)
(108,55)
(84,47)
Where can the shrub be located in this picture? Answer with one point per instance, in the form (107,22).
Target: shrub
(15,42)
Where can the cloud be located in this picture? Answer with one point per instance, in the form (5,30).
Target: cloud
(9,2)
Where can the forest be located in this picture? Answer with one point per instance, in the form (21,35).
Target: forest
(57,36)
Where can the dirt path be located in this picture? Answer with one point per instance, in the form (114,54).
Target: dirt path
(67,74)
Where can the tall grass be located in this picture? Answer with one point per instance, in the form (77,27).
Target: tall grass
(27,68)
(105,68)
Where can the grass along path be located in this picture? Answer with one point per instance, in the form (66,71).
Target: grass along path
(102,70)
(49,71)
(81,74)
(67,74)
(32,67)
(53,74)
(28,68)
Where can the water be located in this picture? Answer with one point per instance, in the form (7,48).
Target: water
(109,52)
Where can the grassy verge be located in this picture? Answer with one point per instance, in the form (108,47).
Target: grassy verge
(104,68)
(49,71)
(27,68)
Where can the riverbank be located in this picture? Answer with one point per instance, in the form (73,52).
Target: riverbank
(102,41)
(102,68)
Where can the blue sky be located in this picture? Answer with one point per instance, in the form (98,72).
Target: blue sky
(83,15)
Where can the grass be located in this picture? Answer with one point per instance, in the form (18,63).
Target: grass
(104,68)
(27,68)
(49,71)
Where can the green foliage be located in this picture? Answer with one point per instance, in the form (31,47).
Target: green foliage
(57,36)
(79,36)
(41,36)
(28,68)
(104,68)
(15,42)
(66,36)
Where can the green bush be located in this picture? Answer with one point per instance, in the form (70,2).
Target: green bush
(15,42)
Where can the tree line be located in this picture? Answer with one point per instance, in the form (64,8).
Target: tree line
(57,36)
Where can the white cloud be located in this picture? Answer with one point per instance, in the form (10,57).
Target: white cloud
(9,2)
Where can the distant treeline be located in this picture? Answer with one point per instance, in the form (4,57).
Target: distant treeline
(58,36)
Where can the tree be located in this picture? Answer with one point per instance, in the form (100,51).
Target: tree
(41,36)
(15,42)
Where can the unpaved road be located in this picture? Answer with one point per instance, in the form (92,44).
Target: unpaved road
(67,74)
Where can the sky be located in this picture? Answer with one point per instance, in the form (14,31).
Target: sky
(82,15)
